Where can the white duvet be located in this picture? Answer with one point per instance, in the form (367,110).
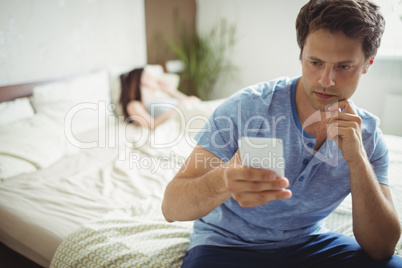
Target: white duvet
(30,144)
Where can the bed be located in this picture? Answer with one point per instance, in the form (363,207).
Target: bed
(81,187)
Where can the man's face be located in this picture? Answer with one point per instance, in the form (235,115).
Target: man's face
(332,65)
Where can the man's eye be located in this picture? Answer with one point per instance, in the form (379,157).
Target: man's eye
(344,67)
(315,63)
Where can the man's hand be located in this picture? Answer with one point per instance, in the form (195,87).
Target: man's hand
(252,187)
(345,129)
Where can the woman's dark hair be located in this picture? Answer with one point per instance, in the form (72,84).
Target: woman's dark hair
(357,19)
(130,88)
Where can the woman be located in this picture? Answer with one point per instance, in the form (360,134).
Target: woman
(140,102)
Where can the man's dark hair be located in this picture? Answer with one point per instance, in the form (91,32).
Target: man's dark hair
(357,19)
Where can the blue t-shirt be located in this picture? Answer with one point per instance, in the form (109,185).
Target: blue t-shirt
(319,182)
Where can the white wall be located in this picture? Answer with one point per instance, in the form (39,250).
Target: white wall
(384,77)
(266,46)
(267,49)
(41,39)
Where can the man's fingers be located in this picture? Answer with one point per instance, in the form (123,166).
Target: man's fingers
(252,187)
(342,104)
(344,117)
(346,133)
(333,124)
(344,125)
(347,108)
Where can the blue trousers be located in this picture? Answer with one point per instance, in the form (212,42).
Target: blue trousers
(324,250)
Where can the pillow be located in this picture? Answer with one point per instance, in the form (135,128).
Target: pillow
(11,111)
(171,80)
(12,166)
(80,104)
(174,66)
(154,70)
(28,144)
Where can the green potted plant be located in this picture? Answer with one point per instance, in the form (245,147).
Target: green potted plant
(205,57)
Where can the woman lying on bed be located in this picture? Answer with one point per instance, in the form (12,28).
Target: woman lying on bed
(141,104)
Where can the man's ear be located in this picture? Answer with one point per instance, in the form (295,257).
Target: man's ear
(368,64)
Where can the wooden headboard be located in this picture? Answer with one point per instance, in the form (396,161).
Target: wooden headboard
(8,93)
(11,92)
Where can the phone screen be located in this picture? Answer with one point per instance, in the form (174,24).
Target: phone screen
(265,153)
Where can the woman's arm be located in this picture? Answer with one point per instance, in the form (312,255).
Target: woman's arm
(174,93)
(140,115)
(147,81)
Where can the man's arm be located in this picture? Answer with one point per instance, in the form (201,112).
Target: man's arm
(205,181)
(197,189)
(375,222)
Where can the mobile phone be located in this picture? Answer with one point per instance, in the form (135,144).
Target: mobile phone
(265,153)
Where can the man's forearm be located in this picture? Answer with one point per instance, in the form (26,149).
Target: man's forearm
(375,223)
(189,199)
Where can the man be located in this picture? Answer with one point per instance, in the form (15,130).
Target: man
(249,217)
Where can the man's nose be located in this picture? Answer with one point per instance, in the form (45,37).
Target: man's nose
(327,77)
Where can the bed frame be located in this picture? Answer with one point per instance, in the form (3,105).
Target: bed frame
(8,93)
(12,92)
